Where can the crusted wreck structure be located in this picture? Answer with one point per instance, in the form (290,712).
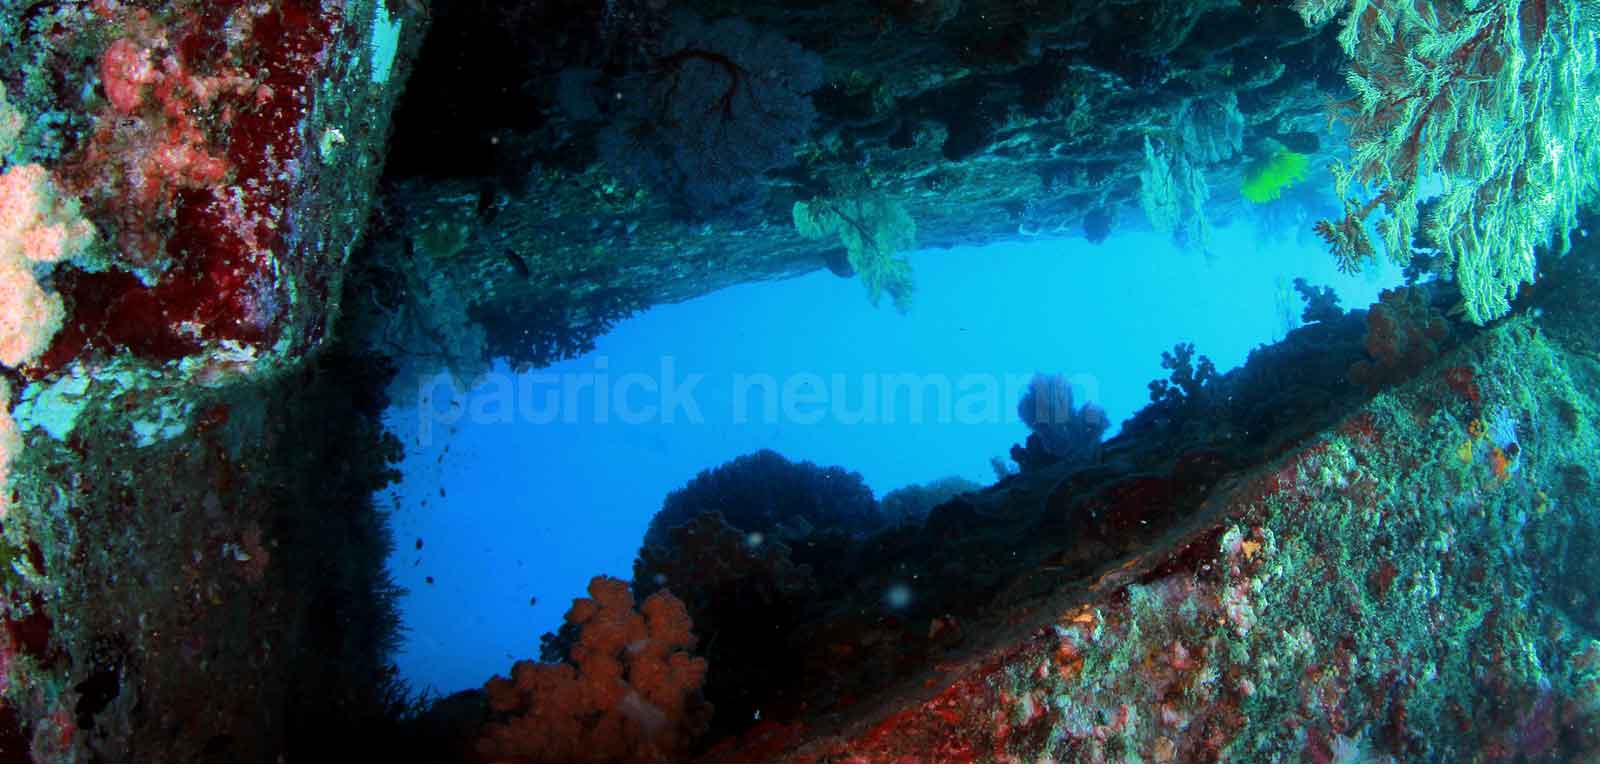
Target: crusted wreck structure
(230,233)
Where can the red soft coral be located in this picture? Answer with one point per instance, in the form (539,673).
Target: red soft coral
(631,693)
(1405,335)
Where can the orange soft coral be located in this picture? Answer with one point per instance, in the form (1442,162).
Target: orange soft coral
(632,691)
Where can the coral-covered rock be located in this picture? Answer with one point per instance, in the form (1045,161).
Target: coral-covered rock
(717,105)
(181,184)
(1362,597)
(220,156)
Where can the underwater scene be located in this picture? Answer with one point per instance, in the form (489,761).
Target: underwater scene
(828,381)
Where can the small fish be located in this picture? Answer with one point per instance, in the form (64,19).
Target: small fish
(533,601)
(419,543)
(417,563)
(429,579)
(488,203)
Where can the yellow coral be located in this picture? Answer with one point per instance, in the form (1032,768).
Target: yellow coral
(1266,182)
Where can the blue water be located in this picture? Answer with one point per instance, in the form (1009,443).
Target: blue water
(515,508)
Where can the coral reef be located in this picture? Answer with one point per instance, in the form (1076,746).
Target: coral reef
(630,693)
(1366,596)
(911,503)
(195,152)
(182,186)
(1372,541)
(1012,127)
(1186,599)
(796,503)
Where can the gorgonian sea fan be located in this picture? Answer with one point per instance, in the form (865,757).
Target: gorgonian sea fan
(722,103)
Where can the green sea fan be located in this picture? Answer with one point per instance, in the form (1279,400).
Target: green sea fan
(1493,100)
(874,232)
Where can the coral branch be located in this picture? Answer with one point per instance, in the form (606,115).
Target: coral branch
(1347,238)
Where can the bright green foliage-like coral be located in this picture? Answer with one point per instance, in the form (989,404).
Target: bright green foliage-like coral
(874,232)
(1496,99)
(1266,182)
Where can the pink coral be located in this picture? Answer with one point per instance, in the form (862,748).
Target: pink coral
(29,316)
(158,136)
(632,691)
(34,222)
(36,228)
(125,69)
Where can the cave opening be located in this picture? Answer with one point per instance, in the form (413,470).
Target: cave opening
(521,486)
(853,380)
(651,318)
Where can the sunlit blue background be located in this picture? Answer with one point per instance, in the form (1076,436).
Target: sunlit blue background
(510,513)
